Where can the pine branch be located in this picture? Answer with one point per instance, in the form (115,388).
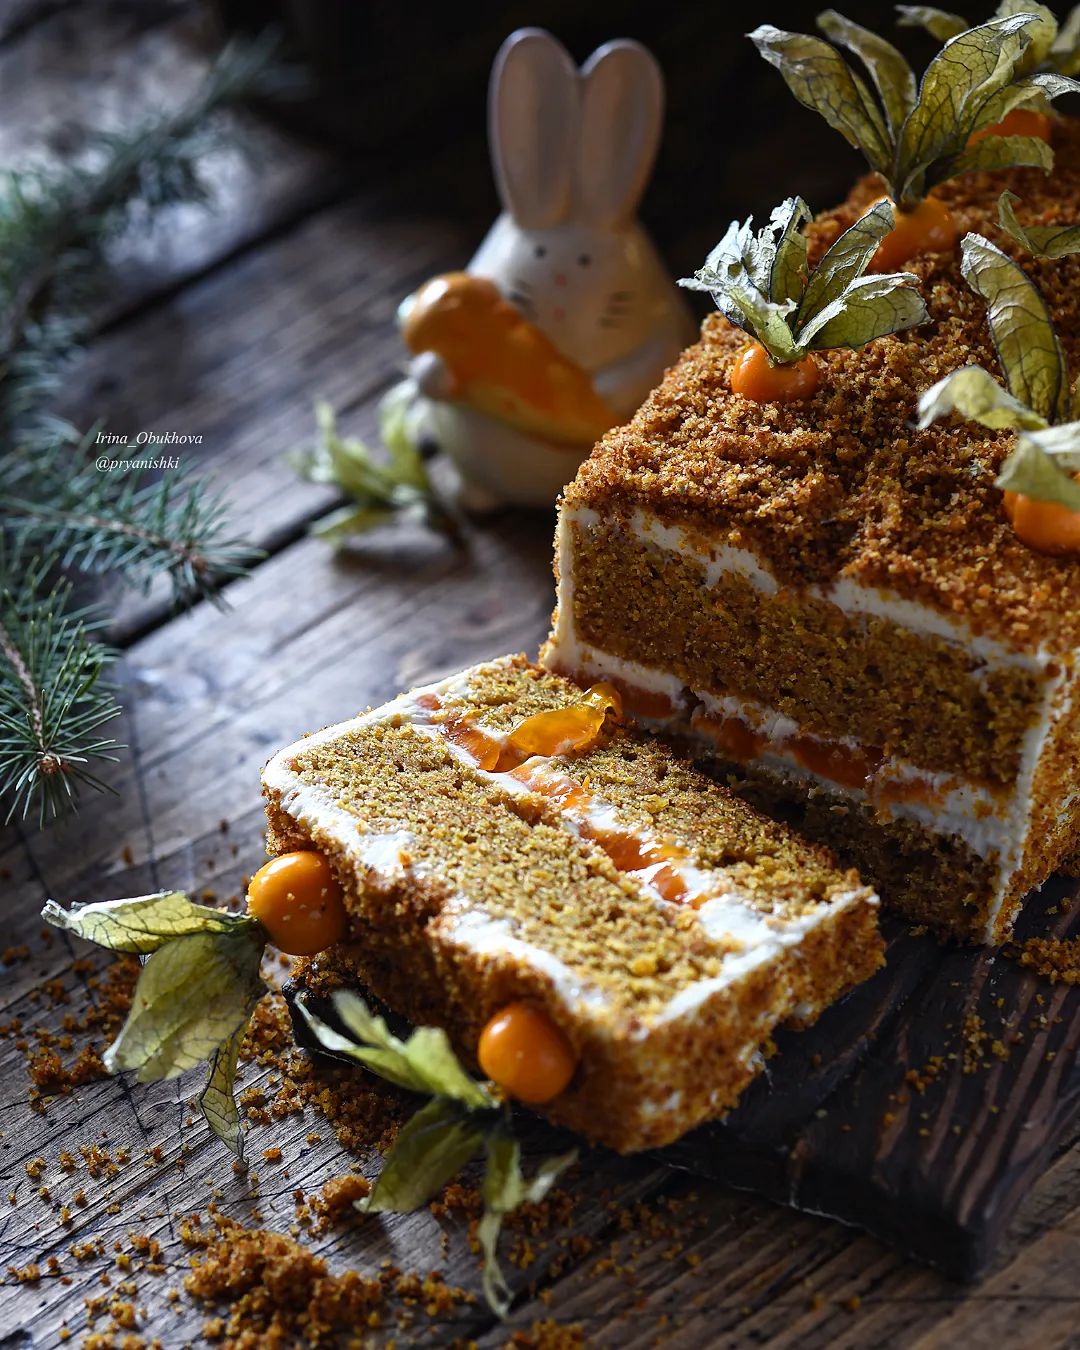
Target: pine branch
(52,699)
(57,223)
(128,524)
(56,510)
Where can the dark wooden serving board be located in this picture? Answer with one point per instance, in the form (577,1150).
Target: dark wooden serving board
(923,1107)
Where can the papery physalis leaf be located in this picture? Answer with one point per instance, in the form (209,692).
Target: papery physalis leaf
(821,79)
(871,307)
(892,75)
(337,462)
(1061,444)
(1034,471)
(193,994)
(352,468)
(505,1188)
(1065,49)
(430,1149)
(398,435)
(350,521)
(728,279)
(1030,91)
(217,1101)
(144,923)
(954,94)
(974,393)
(1041,241)
(380,491)
(939,23)
(746,253)
(847,258)
(787,278)
(999,152)
(839,306)
(1024,337)
(1043,35)
(424,1063)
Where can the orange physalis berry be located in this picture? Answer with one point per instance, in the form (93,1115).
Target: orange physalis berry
(928,228)
(1019,122)
(523,1051)
(299,902)
(754,376)
(1047,527)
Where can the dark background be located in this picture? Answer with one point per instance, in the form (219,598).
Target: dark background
(734,141)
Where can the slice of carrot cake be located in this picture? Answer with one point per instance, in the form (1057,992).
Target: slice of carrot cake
(503,841)
(833,602)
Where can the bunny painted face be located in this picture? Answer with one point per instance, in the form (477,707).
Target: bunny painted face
(572,151)
(588,290)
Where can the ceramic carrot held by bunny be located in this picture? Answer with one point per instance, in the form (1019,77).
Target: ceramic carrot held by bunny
(566,317)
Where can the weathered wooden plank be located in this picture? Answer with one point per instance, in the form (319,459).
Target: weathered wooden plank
(107,66)
(240,358)
(193,775)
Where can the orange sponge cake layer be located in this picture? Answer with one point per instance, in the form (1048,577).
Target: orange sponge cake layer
(833,602)
(664,926)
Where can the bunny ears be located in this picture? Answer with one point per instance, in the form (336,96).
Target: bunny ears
(567,143)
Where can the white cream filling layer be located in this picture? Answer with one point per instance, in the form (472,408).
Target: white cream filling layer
(723,560)
(848,595)
(991,824)
(726,917)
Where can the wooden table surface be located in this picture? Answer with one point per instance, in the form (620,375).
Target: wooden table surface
(228,326)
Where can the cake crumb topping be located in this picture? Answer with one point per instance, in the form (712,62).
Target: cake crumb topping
(843,484)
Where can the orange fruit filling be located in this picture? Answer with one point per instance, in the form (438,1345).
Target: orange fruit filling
(731,735)
(1020,122)
(523,1051)
(1047,527)
(566,792)
(463,732)
(555,731)
(652,859)
(929,228)
(754,376)
(847,765)
(645,702)
(562,731)
(298,900)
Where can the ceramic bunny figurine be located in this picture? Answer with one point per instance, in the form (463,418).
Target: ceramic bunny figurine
(515,380)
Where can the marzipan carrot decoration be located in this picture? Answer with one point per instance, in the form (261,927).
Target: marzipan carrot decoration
(762,283)
(919,134)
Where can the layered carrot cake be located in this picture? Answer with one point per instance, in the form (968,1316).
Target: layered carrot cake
(503,840)
(833,603)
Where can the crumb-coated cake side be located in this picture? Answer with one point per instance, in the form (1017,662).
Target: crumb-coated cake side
(664,926)
(832,601)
